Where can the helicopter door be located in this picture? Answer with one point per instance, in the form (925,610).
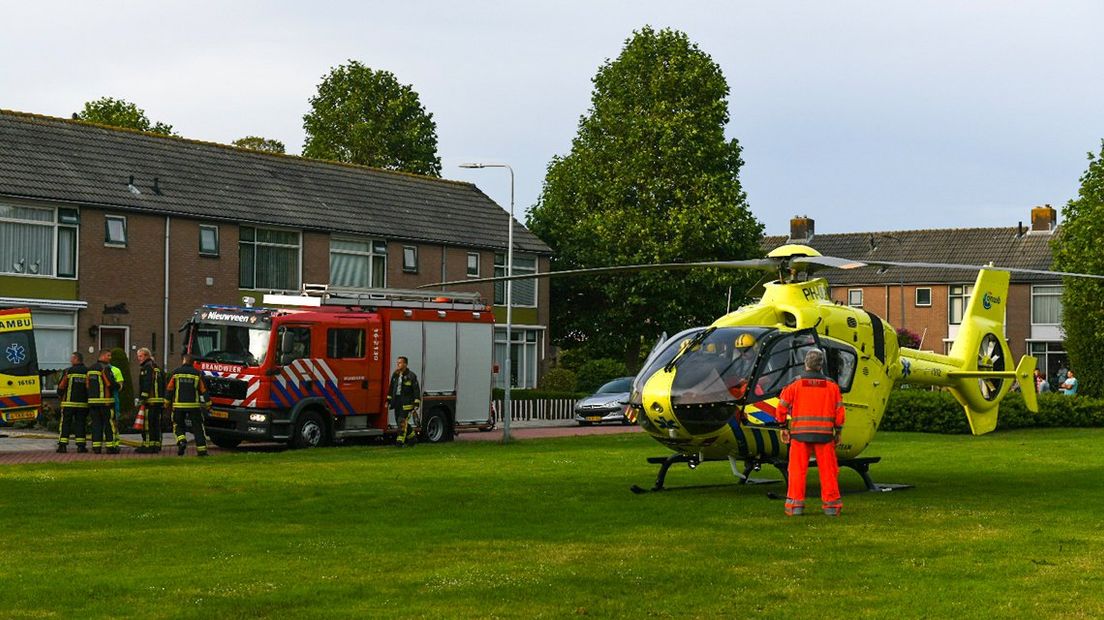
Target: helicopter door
(782,361)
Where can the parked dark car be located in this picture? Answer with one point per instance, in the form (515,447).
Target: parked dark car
(605,405)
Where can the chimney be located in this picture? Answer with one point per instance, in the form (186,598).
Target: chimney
(1044,219)
(801,228)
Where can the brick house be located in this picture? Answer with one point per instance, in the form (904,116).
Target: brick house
(113,237)
(930,301)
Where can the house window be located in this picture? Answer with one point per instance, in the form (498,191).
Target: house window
(524,356)
(473,264)
(410,259)
(855,297)
(38,242)
(524,291)
(358,263)
(1050,357)
(269,259)
(115,230)
(208,240)
(923,297)
(1046,305)
(55,334)
(958,297)
(344,343)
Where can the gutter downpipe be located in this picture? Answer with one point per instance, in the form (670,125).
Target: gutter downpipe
(165,339)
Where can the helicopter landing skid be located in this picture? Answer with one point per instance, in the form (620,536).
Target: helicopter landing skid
(861,466)
(692,460)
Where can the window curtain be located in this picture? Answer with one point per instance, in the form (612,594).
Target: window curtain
(26,249)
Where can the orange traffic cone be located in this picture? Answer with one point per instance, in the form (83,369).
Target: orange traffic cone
(140,419)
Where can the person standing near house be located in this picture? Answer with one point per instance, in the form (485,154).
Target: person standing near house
(404,396)
(1041,383)
(101,399)
(73,391)
(1069,386)
(151,385)
(116,409)
(186,392)
(813,406)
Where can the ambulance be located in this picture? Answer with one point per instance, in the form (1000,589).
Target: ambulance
(20,390)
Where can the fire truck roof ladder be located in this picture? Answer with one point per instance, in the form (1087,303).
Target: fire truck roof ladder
(315,294)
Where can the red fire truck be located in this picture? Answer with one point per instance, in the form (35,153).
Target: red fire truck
(318,371)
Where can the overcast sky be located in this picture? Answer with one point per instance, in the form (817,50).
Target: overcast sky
(863,115)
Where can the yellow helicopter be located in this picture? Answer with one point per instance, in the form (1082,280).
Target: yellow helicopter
(709,393)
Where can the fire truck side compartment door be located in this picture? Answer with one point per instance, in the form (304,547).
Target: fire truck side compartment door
(440,358)
(406,340)
(475,343)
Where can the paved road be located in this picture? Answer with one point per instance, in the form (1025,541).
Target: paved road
(36,446)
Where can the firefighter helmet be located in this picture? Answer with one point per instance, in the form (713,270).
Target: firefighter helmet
(744,341)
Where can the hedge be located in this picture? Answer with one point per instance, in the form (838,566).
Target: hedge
(938,412)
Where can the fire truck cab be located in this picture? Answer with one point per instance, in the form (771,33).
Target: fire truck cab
(316,369)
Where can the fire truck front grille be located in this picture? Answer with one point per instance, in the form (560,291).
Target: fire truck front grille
(226,388)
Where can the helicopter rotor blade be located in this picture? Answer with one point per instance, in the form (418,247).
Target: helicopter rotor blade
(834,262)
(853,264)
(759,264)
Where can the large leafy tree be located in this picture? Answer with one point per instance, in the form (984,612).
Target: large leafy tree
(1077,248)
(257,143)
(363,116)
(121,113)
(650,178)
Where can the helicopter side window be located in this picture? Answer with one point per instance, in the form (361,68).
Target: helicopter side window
(841,362)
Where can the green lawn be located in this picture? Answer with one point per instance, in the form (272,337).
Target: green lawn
(1006,525)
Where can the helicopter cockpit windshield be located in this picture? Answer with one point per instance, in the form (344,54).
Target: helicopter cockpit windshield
(711,365)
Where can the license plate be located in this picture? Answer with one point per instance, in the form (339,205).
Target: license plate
(22,415)
(220,414)
(594,418)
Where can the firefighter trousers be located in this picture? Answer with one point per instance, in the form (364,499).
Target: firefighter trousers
(198,430)
(74,421)
(151,434)
(407,423)
(104,432)
(826,466)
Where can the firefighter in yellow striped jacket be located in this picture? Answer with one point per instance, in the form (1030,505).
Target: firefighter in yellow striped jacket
(404,396)
(151,386)
(101,404)
(73,391)
(186,392)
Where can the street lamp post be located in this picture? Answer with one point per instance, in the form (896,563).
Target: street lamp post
(506,414)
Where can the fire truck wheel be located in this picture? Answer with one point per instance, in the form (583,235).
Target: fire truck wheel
(436,427)
(310,431)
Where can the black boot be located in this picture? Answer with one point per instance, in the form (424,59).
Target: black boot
(97,449)
(81,448)
(113,450)
(181,447)
(62,448)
